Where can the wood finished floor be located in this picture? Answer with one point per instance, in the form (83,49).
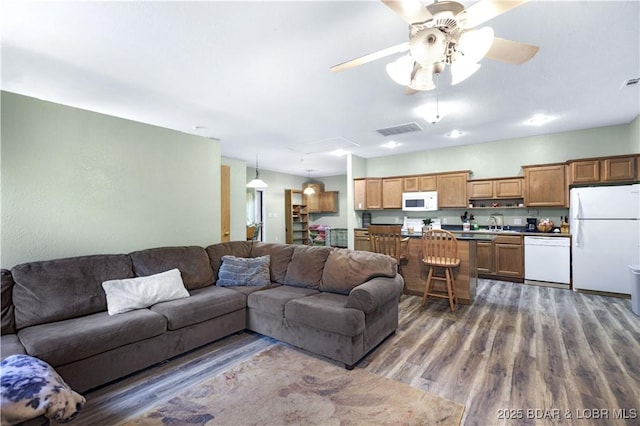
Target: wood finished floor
(519,355)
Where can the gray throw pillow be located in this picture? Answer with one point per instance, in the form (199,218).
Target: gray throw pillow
(249,271)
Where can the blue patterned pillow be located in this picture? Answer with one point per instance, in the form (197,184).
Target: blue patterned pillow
(247,271)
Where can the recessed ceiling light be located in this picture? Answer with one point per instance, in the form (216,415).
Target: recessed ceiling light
(391,144)
(539,120)
(455,134)
(339,152)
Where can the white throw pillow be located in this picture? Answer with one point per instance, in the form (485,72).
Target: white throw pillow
(137,293)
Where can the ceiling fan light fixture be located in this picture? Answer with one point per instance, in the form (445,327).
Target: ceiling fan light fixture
(475,44)
(461,70)
(428,46)
(423,79)
(400,70)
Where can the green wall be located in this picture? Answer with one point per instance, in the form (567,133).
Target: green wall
(505,157)
(76,182)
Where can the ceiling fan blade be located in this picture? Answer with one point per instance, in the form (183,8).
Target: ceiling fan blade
(485,10)
(402,47)
(412,11)
(511,52)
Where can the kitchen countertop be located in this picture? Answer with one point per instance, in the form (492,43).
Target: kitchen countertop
(458,231)
(468,236)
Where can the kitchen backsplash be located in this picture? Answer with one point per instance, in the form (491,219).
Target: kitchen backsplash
(510,216)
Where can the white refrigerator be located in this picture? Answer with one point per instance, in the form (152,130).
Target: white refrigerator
(605,229)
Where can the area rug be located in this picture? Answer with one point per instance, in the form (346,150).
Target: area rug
(284,386)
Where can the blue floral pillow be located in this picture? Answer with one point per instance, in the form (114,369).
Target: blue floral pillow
(244,271)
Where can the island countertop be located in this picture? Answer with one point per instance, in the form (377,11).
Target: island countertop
(466,236)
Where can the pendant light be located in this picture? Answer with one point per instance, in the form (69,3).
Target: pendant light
(257,182)
(309,189)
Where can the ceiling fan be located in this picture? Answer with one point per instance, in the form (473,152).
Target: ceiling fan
(441,34)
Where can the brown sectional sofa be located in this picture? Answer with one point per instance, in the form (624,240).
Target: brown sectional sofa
(334,302)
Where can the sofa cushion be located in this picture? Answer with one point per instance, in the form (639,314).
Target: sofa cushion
(141,292)
(63,342)
(244,271)
(231,248)
(192,261)
(272,301)
(10,345)
(346,269)
(204,304)
(326,311)
(305,268)
(55,290)
(8,324)
(280,255)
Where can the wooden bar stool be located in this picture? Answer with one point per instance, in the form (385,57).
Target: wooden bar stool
(387,239)
(440,250)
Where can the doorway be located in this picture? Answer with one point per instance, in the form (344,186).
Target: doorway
(255,212)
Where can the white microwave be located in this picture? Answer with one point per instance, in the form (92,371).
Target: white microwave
(420,201)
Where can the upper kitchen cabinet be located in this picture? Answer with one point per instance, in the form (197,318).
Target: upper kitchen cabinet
(411,184)
(392,193)
(323,202)
(367,194)
(419,183)
(607,169)
(452,189)
(480,189)
(485,189)
(545,186)
(508,188)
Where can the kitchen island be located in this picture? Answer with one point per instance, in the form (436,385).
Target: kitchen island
(466,275)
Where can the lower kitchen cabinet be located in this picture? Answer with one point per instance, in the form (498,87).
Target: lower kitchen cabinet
(361,240)
(502,258)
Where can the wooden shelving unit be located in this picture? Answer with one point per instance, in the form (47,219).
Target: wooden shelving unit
(296,217)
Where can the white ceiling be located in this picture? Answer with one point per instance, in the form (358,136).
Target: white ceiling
(256,74)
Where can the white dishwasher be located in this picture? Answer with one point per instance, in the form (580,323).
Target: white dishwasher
(547,259)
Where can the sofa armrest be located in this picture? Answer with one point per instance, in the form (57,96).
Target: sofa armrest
(374,293)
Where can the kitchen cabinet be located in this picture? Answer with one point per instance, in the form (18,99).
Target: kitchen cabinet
(501,258)
(509,257)
(392,193)
(419,183)
(484,261)
(508,188)
(359,194)
(428,183)
(618,169)
(367,194)
(487,189)
(585,171)
(480,189)
(411,184)
(607,169)
(374,194)
(545,186)
(452,189)
(323,202)
(361,240)
(296,217)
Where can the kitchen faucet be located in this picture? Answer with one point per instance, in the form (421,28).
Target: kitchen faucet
(493,222)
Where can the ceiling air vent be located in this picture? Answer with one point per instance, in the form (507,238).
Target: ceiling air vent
(400,129)
(631,82)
